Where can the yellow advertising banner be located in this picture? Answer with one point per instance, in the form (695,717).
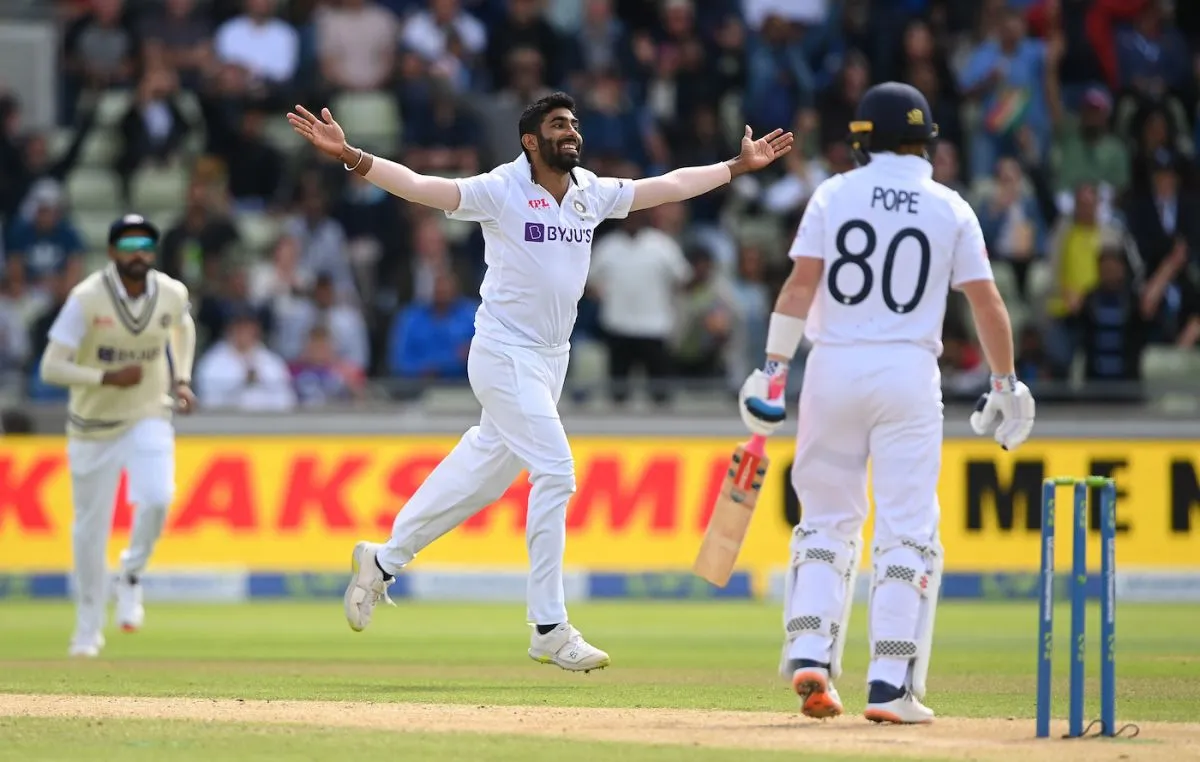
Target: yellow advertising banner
(299,504)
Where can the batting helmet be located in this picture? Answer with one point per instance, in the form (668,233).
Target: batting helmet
(890,115)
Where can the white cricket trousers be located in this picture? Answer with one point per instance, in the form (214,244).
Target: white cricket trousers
(881,403)
(146,452)
(519,389)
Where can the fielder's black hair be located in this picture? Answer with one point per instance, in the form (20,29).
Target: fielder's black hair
(535,113)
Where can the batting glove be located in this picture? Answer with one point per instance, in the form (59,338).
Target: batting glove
(761,411)
(1008,407)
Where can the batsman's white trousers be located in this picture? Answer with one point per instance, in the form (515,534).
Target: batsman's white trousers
(883,403)
(146,452)
(519,389)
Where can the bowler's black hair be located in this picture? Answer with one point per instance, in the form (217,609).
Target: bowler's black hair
(534,114)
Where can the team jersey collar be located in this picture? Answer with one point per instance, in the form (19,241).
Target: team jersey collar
(114,278)
(908,164)
(525,169)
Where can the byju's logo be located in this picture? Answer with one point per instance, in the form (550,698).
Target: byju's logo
(536,232)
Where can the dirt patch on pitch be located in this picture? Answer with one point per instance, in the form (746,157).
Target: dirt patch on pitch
(948,738)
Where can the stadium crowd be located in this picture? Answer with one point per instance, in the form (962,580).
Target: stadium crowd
(1068,124)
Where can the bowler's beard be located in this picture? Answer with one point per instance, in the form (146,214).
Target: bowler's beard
(554,157)
(135,270)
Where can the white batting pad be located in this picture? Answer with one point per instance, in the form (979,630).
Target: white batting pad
(817,597)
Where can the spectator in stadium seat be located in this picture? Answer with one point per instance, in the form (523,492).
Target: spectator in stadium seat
(322,243)
(152,129)
(180,38)
(682,73)
(1011,222)
(442,137)
(525,26)
(1165,223)
(837,105)
(226,297)
(636,274)
(254,165)
(320,376)
(268,48)
(1006,76)
(754,304)
(1152,57)
(1033,363)
(947,169)
(14,331)
(706,320)
(431,254)
(357,44)
(434,33)
(601,44)
(100,50)
(1155,131)
(1112,329)
(614,128)
(779,79)
(1074,247)
(429,339)
(1086,150)
(47,244)
(25,159)
(239,373)
(788,195)
(297,315)
(194,250)
(699,143)
(500,110)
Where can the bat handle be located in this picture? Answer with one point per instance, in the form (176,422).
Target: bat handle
(757,444)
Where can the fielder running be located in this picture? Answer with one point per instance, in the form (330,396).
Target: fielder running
(876,253)
(538,215)
(122,342)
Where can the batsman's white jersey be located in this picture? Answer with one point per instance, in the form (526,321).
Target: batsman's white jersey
(894,242)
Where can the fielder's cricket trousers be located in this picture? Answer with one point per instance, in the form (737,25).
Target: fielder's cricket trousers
(146,452)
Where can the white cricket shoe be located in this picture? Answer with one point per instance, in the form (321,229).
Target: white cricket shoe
(130,611)
(818,698)
(86,646)
(565,647)
(902,709)
(367,586)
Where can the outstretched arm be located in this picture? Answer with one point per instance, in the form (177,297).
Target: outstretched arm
(327,136)
(689,182)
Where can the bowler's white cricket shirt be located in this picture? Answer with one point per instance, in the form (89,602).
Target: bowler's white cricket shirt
(894,242)
(537,251)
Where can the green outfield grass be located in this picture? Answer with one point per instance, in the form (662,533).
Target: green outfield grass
(714,656)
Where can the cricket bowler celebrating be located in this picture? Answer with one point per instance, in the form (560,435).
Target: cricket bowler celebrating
(876,253)
(123,343)
(538,214)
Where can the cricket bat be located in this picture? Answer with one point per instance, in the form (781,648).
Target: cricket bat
(733,509)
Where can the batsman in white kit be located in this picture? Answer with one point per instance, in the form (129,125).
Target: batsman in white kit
(123,344)
(877,250)
(538,214)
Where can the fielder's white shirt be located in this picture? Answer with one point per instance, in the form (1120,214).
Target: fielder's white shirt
(537,251)
(894,242)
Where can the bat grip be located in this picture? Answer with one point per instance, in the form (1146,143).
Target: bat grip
(757,444)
